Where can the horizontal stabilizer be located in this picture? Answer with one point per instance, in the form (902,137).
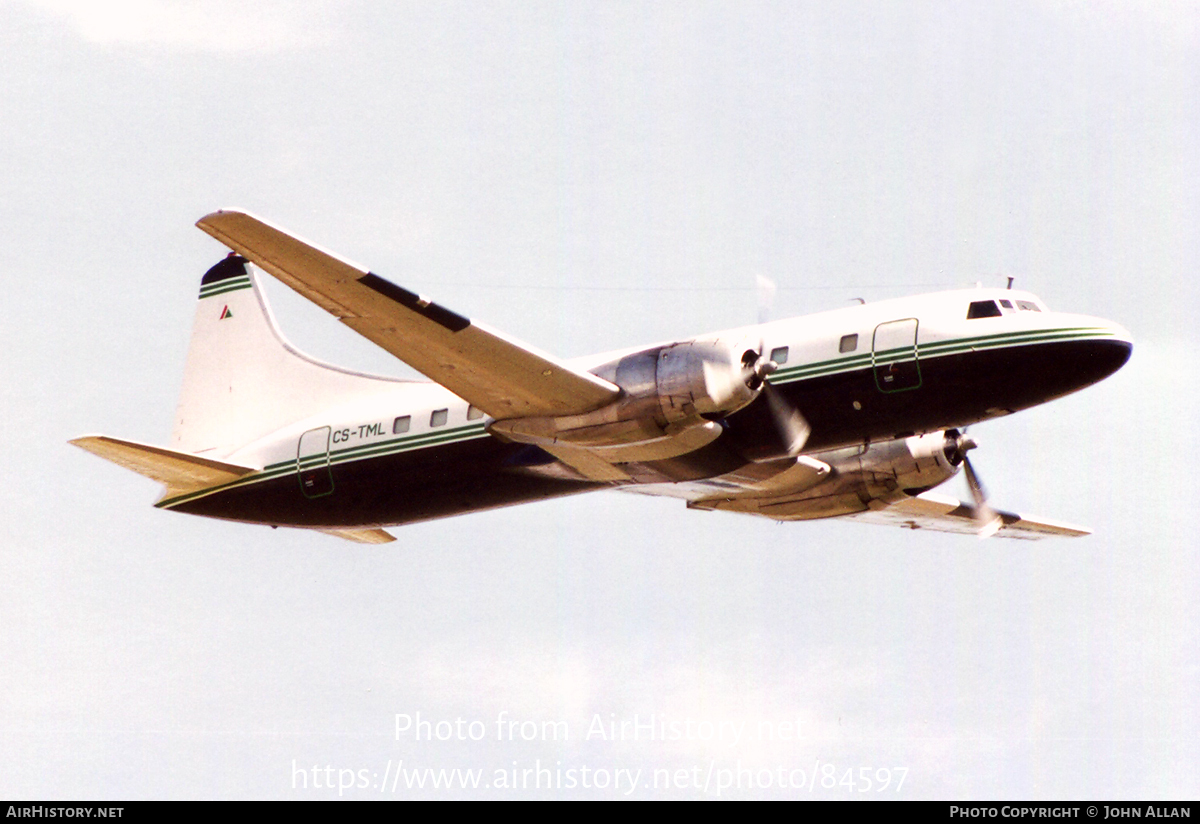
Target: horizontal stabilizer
(178,471)
(504,378)
(361,536)
(941,513)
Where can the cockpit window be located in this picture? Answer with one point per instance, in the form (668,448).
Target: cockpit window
(1027,306)
(1007,304)
(983,309)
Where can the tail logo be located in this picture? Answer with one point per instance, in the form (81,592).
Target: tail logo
(225,313)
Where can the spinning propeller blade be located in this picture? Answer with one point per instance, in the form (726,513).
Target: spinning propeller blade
(958,444)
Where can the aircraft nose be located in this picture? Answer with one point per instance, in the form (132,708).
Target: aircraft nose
(1109,350)
(1120,333)
(1082,350)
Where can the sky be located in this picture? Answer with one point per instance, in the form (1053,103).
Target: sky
(585,177)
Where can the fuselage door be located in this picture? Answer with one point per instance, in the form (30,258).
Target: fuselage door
(312,463)
(894,356)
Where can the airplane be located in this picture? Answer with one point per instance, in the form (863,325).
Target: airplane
(857,412)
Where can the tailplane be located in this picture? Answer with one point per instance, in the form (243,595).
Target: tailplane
(179,472)
(242,379)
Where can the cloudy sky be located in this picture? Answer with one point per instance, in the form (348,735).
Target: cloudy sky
(587,176)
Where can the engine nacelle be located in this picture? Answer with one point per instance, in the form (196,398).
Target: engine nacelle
(665,390)
(687,380)
(911,466)
(860,479)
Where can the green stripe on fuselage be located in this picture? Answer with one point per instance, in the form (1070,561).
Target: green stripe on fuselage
(341,456)
(935,350)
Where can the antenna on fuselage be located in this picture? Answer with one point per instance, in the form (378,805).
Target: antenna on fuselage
(1010,280)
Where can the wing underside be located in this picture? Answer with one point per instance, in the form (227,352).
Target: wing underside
(501,376)
(941,513)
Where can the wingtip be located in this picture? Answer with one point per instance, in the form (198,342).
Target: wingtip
(362,536)
(213,218)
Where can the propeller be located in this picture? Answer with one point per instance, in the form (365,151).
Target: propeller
(791,430)
(958,444)
(756,366)
(765,288)
(770,427)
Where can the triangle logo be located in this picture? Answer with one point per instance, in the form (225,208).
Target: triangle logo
(225,313)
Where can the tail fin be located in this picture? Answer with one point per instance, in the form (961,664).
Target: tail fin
(243,380)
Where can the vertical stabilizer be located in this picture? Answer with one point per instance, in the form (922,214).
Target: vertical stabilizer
(242,380)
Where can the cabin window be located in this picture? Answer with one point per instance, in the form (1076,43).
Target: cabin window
(439,417)
(401,424)
(983,309)
(848,343)
(1007,304)
(1027,306)
(474,413)
(779,355)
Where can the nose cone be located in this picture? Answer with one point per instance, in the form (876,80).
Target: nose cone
(1101,348)
(1112,350)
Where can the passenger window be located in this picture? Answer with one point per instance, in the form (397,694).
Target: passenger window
(474,413)
(779,355)
(983,309)
(401,424)
(439,417)
(848,343)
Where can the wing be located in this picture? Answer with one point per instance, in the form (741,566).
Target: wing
(501,376)
(941,513)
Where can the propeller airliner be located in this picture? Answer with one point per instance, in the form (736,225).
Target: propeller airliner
(857,412)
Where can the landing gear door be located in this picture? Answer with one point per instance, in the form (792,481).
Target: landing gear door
(894,356)
(312,463)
